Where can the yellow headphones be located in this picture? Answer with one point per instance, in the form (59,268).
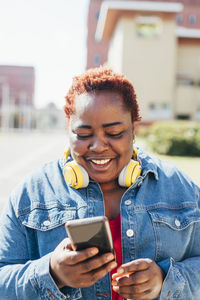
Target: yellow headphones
(77,177)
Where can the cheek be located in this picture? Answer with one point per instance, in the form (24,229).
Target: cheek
(125,149)
(77,146)
(125,145)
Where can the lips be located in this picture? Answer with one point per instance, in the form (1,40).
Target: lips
(100,164)
(100,161)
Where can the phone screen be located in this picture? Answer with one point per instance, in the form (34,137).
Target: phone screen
(90,232)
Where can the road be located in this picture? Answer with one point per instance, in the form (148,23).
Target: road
(22,152)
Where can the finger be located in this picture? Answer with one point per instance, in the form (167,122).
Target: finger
(117,275)
(146,295)
(95,263)
(134,278)
(90,278)
(133,289)
(135,265)
(65,243)
(97,274)
(75,257)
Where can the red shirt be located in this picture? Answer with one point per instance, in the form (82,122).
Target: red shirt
(115,226)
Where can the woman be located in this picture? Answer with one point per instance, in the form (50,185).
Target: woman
(154,215)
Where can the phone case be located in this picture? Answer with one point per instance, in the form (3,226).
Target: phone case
(90,232)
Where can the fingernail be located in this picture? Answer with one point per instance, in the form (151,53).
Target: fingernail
(120,270)
(94,251)
(113,265)
(110,257)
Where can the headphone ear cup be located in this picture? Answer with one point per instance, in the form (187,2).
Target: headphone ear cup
(75,175)
(129,173)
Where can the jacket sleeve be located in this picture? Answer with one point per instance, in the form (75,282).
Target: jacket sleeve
(182,279)
(20,277)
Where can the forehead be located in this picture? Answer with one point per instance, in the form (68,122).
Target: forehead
(99,101)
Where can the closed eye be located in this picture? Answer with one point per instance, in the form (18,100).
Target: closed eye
(115,134)
(80,136)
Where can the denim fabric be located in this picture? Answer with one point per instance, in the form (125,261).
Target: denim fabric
(160,219)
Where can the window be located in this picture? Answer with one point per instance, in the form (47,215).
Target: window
(97,59)
(97,15)
(152,111)
(152,106)
(164,106)
(184,79)
(148,26)
(179,19)
(198,61)
(182,117)
(159,110)
(192,19)
(198,112)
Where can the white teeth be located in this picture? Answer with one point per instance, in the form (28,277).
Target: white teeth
(100,162)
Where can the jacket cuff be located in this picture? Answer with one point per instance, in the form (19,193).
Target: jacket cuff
(173,283)
(164,265)
(43,281)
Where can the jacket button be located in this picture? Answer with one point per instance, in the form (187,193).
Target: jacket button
(129,232)
(46,223)
(127,202)
(177,223)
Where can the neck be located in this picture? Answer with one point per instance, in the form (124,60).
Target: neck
(112,194)
(108,187)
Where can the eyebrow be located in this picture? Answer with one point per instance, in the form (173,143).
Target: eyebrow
(112,124)
(84,126)
(104,125)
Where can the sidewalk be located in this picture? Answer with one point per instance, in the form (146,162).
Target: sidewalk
(23,152)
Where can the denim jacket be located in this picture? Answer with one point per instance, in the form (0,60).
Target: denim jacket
(160,219)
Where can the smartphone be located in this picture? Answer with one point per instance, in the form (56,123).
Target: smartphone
(90,232)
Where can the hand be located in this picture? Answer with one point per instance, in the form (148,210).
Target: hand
(143,282)
(79,268)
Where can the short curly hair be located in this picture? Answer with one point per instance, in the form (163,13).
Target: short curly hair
(101,79)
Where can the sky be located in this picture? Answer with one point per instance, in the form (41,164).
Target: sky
(49,35)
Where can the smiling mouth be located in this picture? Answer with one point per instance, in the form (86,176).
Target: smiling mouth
(100,161)
(100,164)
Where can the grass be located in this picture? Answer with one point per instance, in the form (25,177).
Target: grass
(189,165)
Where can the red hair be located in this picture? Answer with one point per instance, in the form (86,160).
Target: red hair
(100,79)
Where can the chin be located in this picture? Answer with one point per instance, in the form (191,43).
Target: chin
(104,179)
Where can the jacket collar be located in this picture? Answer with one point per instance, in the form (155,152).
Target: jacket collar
(148,163)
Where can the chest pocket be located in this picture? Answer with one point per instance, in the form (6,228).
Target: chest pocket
(47,218)
(174,231)
(45,227)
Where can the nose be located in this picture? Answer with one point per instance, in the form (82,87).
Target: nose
(98,144)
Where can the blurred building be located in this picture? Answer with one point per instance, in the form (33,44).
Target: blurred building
(157,45)
(17,109)
(97,51)
(17,85)
(50,118)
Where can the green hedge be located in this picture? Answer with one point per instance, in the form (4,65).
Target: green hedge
(180,138)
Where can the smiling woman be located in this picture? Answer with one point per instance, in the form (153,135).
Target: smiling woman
(151,206)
